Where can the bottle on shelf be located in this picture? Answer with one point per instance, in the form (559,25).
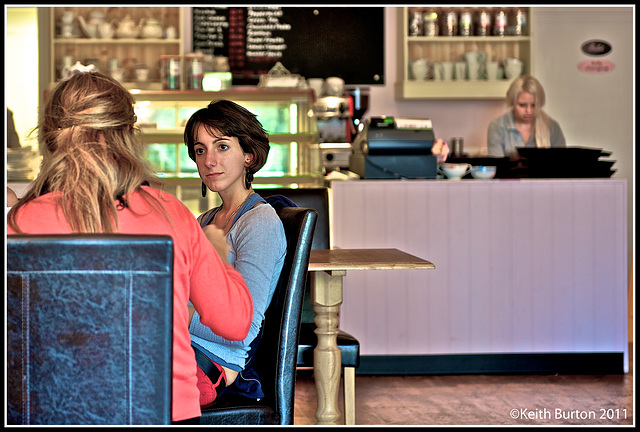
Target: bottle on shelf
(465,25)
(520,22)
(484,22)
(450,23)
(416,23)
(500,23)
(431,27)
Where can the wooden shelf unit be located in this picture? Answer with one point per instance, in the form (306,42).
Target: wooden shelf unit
(130,52)
(452,48)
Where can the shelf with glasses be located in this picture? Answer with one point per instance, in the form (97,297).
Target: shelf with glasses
(439,48)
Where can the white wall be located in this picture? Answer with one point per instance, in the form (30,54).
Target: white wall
(21,68)
(594,110)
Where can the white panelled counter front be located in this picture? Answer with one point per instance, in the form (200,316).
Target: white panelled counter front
(523,266)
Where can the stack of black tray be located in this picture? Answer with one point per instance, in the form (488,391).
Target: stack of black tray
(564,162)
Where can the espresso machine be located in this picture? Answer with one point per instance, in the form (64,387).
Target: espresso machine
(335,126)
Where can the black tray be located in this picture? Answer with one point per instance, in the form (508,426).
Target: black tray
(574,154)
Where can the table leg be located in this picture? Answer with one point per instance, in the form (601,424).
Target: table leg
(326,294)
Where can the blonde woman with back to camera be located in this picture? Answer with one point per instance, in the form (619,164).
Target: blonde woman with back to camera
(525,124)
(94,179)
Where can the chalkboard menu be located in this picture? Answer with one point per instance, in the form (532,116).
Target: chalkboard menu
(347,42)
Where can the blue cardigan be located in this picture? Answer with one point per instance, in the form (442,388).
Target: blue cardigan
(258,247)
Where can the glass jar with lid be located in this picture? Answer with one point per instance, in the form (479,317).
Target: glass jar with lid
(431,27)
(465,22)
(500,23)
(484,22)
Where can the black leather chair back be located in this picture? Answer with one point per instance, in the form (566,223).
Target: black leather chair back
(317,199)
(275,359)
(89,329)
(314,198)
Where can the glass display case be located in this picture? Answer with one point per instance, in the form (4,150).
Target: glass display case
(286,114)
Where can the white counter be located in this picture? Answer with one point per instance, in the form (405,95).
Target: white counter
(522,266)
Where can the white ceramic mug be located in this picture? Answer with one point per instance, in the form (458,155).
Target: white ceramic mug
(419,69)
(171,32)
(512,68)
(492,71)
(460,71)
(473,67)
(142,74)
(438,72)
(447,71)
(476,64)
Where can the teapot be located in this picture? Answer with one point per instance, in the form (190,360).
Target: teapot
(128,28)
(90,28)
(106,30)
(151,28)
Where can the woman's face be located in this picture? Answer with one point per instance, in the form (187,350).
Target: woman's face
(524,108)
(220,159)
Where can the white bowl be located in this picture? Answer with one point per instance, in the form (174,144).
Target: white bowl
(455,171)
(483,172)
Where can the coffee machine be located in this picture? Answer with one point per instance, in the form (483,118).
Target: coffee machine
(339,113)
(336,129)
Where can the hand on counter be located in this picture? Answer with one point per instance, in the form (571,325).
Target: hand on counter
(440,150)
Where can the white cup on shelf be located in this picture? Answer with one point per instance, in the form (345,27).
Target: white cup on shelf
(447,70)
(419,69)
(438,72)
(460,71)
(512,68)
(492,71)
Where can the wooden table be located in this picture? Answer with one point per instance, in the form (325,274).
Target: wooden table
(327,268)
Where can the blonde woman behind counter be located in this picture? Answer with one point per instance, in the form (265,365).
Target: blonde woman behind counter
(526,124)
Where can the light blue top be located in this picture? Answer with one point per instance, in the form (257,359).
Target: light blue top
(503,137)
(258,247)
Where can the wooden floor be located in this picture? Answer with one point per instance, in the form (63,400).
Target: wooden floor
(482,400)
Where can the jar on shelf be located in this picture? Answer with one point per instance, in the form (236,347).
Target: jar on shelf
(484,22)
(195,70)
(450,23)
(170,72)
(520,22)
(431,27)
(500,23)
(416,23)
(465,23)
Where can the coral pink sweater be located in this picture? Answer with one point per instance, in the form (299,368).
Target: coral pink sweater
(217,291)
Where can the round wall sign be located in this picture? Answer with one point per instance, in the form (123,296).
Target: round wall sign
(596,66)
(596,47)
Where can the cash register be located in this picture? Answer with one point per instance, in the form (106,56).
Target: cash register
(394,148)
